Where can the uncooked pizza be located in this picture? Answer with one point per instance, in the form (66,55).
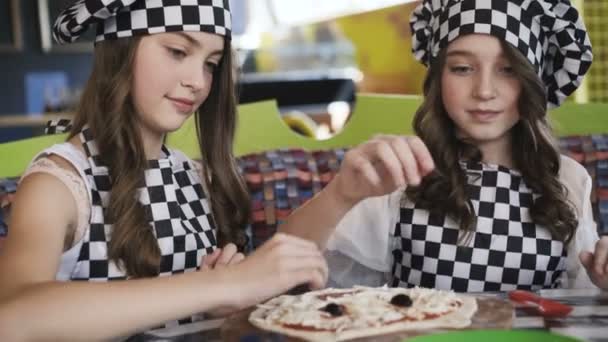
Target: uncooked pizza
(342,314)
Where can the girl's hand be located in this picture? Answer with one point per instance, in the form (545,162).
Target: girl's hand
(596,263)
(221,258)
(229,255)
(381,166)
(278,265)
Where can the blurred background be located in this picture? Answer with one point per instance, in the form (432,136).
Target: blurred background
(311,56)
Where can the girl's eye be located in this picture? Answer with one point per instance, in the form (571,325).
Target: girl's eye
(508,70)
(211,67)
(176,53)
(461,69)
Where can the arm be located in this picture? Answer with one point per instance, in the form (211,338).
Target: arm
(316,219)
(34,306)
(31,256)
(375,168)
(584,238)
(587,263)
(593,251)
(91,311)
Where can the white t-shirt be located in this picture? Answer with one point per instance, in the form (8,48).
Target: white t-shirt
(360,251)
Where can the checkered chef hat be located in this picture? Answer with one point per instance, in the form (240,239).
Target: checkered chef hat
(549,33)
(125,18)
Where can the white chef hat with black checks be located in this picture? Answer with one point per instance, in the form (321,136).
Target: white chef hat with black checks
(125,18)
(549,33)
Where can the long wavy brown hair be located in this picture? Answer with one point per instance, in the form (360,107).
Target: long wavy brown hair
(535,154)
(107,108)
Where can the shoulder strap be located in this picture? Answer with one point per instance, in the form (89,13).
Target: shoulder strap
(58,126)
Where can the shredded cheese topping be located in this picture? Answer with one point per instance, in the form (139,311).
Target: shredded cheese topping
(363,307)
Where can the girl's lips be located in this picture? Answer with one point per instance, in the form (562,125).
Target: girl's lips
(182,105)
(484,115)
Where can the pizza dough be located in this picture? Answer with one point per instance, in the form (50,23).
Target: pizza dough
(343,314)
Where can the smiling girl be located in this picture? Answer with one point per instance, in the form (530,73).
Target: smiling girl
(113,203)
(480,199)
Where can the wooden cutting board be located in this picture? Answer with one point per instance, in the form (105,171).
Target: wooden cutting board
(492,313)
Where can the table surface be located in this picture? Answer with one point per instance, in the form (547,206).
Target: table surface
(588,321)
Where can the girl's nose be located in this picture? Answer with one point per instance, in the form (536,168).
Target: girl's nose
(194,82)
(485,86)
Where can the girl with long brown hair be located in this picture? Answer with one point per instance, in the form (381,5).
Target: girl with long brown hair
(114,203)
(480,199)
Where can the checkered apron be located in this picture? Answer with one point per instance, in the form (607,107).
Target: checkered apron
(177,209)
(506,251)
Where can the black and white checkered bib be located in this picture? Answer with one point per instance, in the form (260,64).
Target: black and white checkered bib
(177,209)
(506,251)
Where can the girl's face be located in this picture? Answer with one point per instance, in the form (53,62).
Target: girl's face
(173,73)
(479,89)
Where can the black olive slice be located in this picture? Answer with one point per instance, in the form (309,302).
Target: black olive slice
(402,300)
(333,309)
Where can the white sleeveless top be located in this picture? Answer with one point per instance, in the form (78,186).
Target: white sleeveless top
(79,190)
